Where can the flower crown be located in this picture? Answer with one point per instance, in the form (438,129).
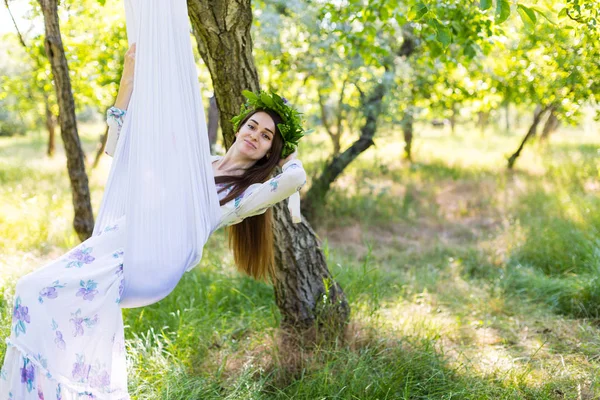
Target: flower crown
(291,128)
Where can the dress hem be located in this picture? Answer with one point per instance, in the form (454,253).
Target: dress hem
(67,383)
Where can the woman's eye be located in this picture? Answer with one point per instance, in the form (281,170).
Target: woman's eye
(266,136)
(250,126)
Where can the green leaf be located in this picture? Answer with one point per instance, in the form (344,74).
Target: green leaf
(563,13)
(417,11)
(527,16)
(384,12)
(485,4)
(249,95)
(443,33)
(502,11)
(549,15)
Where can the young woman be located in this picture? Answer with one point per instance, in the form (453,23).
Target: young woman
(67,339)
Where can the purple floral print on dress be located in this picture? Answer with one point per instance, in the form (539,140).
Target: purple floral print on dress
(21,314)
(27,374)
(78,322)
(58,339)
(100,380)
(119,270)
(50,292)
(58,392)
(118,254)
(79,257)
(81,370)
(87,290)
(121,287)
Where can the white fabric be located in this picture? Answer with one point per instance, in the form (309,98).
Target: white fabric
(159,207)
(161,176)
(67,337)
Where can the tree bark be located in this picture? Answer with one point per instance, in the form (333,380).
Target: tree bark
(407,124)
(222,31)
(537,116)
(83,221)
(305,293)
(453,119)
(213,122)
(50,120)
(551,125)
(100,148)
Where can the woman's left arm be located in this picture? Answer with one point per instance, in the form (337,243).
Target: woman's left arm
(259,197)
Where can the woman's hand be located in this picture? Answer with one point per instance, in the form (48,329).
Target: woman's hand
(288,158)
(126,85)
(128,67)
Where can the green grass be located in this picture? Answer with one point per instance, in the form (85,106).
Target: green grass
(465,281)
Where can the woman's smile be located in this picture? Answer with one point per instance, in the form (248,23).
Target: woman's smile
(250,144)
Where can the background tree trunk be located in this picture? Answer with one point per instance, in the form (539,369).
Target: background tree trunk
(407,124)
(83,221)
(537,116)
(50,127)
(304,290)
(551,125)
(371,106)
(100,148)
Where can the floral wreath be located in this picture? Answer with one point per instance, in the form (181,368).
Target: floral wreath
(291,128)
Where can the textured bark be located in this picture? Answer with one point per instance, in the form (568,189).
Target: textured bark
(213,122)
(83,221)
(305,291)
(50,127)
(222,31)
(307,297)
(537,116)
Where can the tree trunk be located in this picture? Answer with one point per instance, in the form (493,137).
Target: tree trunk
(50,127)
(213,122)
(551,125)
(83,221)
(327,124)
(100,148)
(407,124)
(453,120)
(482,121)
(222,31)
(371,106)
(537,116)
(306,295)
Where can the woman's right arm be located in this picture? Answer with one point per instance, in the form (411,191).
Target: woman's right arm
(116,114)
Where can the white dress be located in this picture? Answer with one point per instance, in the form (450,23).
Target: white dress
(67,337)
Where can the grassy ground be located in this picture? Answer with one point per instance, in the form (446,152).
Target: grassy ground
(465,281)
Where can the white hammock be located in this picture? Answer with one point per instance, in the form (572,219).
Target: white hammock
(161,178)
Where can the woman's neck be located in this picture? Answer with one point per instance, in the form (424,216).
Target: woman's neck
(232,164)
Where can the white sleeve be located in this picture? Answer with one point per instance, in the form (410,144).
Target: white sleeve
(259,197)
(114,120)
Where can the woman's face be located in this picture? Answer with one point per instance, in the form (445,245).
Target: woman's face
(255,137)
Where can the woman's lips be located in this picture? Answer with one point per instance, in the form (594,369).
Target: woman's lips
(250,144)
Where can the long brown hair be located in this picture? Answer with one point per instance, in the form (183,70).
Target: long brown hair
(251,240)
